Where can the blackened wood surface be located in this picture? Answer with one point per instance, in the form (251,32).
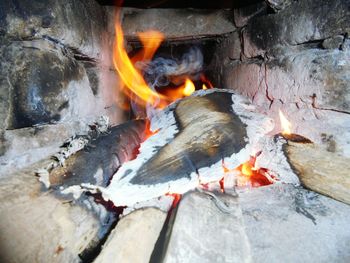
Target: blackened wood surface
(209,131)
(107,152)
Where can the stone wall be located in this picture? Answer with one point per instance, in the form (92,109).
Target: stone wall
(294,56)
(55,75)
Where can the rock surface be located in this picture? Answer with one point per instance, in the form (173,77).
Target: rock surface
(36,226)
(288,224)
(55,67)
(134,237)
(276,223)
(302,22)
(76,24)
(297,61)
(204,233)
(184,23)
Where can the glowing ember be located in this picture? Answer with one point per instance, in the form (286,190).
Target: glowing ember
(247,175)
(204,86)
(177,198)
(286,125)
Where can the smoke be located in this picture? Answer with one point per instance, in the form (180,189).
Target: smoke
(161,72)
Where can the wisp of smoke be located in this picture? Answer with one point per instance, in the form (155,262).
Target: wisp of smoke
(160,71)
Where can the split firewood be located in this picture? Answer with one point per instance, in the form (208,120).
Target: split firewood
(124,243)
(101,157)
(320,170)
(194,136)
(62,229)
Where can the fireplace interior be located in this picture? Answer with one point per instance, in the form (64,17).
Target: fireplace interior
(175,131)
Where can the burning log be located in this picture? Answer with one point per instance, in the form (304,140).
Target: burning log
(320,170)
(101,157)
(193,137)
(61,228)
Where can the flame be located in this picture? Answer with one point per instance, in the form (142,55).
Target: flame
(286,125)
(133,83)
(182,91)
(249,176)
(188,88)
(206,82)
(131,77)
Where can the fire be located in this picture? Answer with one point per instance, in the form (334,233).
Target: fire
(130,76)
(247,175)
(134,85)
(286,125)
(188,88)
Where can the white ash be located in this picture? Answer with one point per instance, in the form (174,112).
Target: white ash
(44,177)
(273,158)
(75,190)
(120,189)
(74,145)
(164,203)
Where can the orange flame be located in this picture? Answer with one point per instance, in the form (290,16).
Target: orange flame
(182,91)
(286,125)
(130,76)
(250,176)
(134,85)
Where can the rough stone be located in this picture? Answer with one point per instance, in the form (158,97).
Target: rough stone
(36,93)
(278,5)
(23,147)
(184,23)
(302,22)
(244,14)
(310,85)
(134,237)
(333,42)
(35,226)
(231,47)
(288,224)
(76,24)
(204,233)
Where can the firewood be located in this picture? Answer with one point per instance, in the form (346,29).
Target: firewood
(193,138)
(320,170)
(98,160)
(37,225)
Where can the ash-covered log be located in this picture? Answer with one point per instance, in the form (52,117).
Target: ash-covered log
(39,225)
(194,137)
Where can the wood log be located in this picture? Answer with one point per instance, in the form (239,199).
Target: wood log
(194,136)
(101,158)
(37,225)
(124,243)
(320,170)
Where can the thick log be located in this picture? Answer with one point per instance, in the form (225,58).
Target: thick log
(320,170)
(194,136)
(134,237)
(101,158)
(41,226)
